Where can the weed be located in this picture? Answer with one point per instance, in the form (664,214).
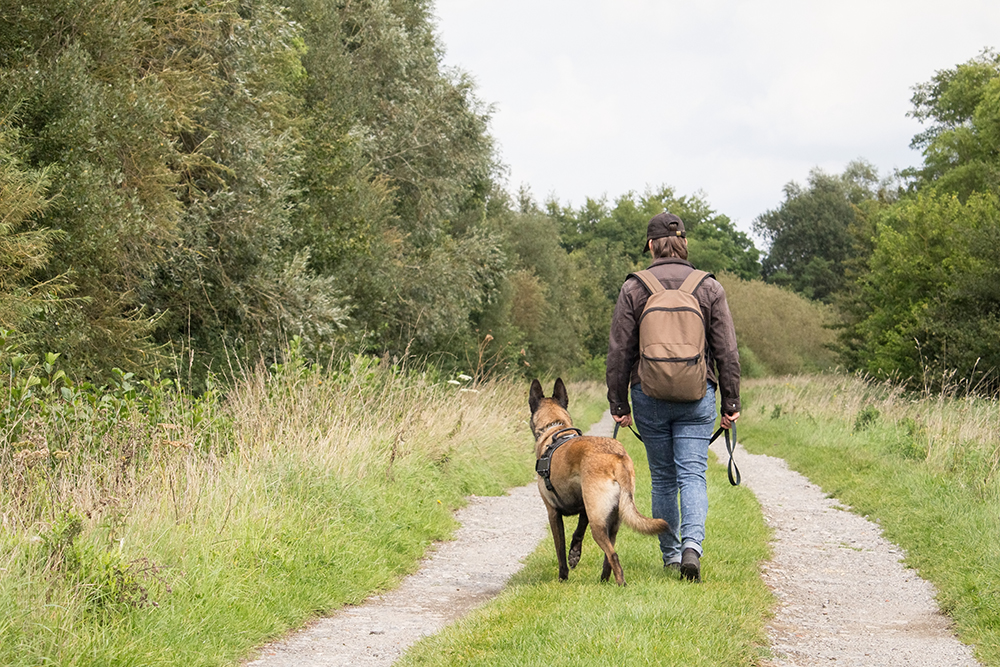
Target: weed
(59,552)
(109,583)
(867,417)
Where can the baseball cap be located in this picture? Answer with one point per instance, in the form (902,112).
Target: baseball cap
(664,224)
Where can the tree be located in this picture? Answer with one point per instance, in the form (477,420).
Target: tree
(25,242)
(962,143)
(222,176)
(933,292)
(714,242)
(811,241)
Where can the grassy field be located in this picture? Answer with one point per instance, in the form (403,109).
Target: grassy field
(926,468)
(142,526)
(655,620)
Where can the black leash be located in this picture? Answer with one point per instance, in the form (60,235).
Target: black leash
(731,469)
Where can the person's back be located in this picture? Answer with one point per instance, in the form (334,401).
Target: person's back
(676,433)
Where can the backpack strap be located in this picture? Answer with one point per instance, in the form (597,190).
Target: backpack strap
(694,281)
(690,284)
(651,282)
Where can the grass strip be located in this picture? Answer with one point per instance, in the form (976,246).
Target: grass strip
(946,521)
(333,490)
(655,620)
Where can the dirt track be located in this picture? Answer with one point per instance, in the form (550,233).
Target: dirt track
(843,596)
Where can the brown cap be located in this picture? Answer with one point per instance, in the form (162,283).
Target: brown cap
(664,224)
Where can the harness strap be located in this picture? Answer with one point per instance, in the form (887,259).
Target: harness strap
(543,466)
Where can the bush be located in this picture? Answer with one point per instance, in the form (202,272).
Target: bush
(784,332)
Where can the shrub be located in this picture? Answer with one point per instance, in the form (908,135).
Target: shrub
(785,332)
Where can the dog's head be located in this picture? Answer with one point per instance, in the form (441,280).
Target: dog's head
(545,411)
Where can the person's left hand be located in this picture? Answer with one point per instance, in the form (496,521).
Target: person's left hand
(727,420)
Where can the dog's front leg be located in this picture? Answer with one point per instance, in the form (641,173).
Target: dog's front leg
(559,537)
(576,544)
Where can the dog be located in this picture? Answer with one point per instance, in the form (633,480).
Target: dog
(586,475)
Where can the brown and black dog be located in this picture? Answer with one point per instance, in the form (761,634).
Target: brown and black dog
(590,476)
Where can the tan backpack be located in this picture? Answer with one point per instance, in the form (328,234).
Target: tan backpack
(672,365)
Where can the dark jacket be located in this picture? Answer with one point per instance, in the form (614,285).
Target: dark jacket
(623,347)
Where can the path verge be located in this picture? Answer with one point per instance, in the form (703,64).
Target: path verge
(844,596)
(496,534)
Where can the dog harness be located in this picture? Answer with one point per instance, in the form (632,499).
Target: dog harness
(543,465)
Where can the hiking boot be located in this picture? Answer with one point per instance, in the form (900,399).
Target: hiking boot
(691,565)
(673,569)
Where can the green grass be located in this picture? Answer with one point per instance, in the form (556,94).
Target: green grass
(934,498)
(196,531)
(587,402)
(320,490)
(654,620)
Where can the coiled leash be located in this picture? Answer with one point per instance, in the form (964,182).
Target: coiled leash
(731,469)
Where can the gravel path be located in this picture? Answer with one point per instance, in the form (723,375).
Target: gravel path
(497,532)
(844,597)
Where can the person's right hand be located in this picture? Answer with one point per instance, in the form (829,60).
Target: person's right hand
(623,420)
(727,420)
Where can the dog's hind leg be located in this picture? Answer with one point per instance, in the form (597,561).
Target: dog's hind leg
(605,538)
(559,537)
(601,501)
(613,564)
(576,544)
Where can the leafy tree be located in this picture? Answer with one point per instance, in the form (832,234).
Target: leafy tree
(25,243)
(607,242)
(545,308)
(961,144)
(714,242)
(400,175)
(810,233)
(933,292)
(234,173)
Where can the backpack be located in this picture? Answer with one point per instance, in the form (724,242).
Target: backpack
(672,364)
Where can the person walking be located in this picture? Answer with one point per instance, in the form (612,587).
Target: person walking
(676,434)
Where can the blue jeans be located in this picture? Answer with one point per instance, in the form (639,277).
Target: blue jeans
(676,437)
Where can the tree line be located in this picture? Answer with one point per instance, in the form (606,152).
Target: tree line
(910,260)
(185,184)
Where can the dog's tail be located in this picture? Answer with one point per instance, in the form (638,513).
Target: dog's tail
(626,504)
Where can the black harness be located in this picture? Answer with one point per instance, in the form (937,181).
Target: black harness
(543,465)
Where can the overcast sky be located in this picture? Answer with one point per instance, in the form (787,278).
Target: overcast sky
(733,99)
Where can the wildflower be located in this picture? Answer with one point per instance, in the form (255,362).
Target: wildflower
(463,377)
(454,382)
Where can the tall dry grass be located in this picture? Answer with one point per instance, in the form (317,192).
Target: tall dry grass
(951,431)
(235,517)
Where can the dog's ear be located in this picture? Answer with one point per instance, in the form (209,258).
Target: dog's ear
(535,396)
(559,394)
